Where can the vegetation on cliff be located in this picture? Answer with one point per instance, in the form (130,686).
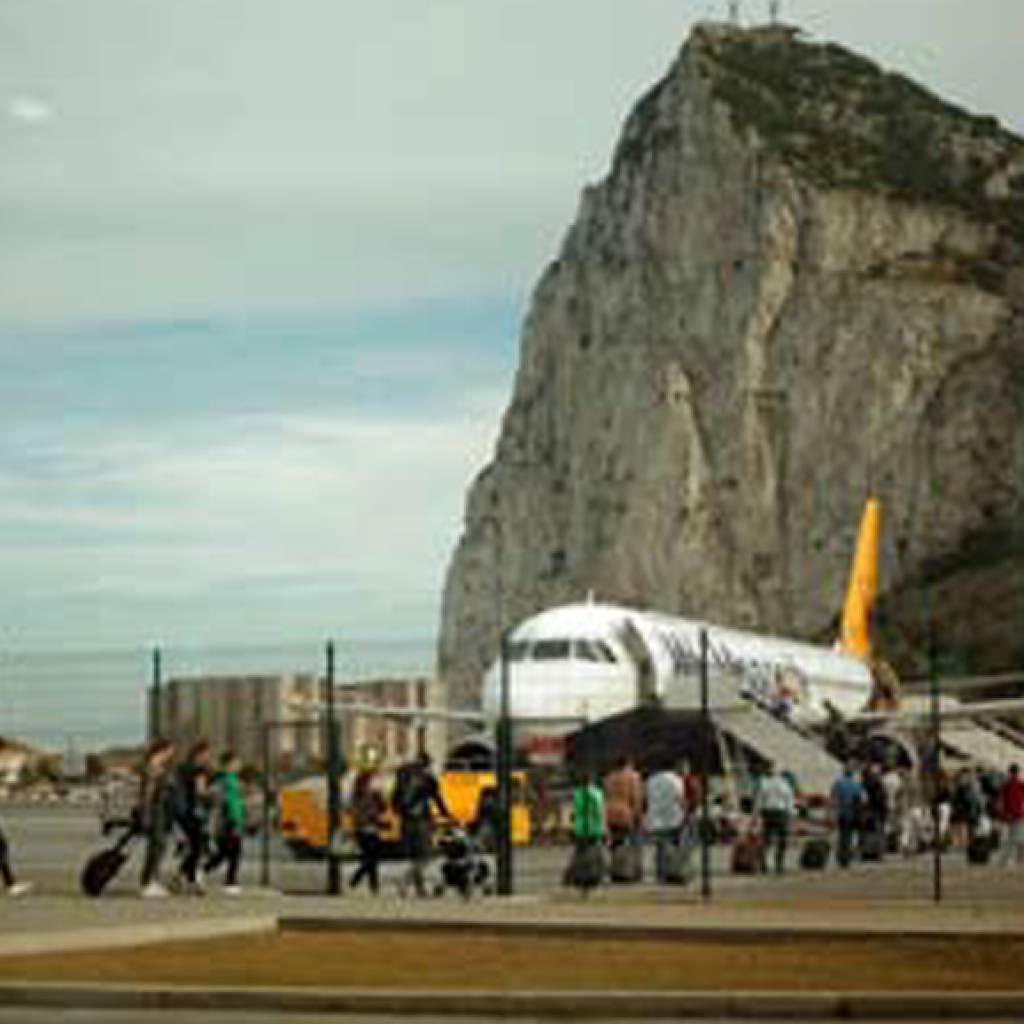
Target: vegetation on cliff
(845,122)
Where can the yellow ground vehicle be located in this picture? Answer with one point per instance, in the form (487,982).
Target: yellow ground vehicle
(303,808)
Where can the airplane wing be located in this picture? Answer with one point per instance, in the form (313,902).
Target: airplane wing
(1009,708)
(964,684)
(406,714)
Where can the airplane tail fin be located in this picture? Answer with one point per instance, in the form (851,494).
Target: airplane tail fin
(855,635)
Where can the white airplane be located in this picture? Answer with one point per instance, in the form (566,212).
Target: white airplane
(578,664)
(581,663)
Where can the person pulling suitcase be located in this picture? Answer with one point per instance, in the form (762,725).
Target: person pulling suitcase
(156,815)
(11,886)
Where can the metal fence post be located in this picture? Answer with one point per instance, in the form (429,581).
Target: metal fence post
(505,880)
(268,792)
(333,781)
(705,755)
(936,730)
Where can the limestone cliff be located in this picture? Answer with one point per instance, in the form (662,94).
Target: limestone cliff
(802,280)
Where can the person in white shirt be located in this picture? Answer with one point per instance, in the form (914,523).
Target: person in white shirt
(666,803)
(896,810)
(776,804)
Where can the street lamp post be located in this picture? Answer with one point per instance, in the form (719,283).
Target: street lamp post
(156,694)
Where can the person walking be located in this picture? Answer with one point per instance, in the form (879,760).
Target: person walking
(967,804)
(417,797)
(689,836)
(775,803)
(895,801)
(156,815)
(874,813)
(229,817)
(192,804)
(847,800)
(11,885)
(1011,811)
(666,815)
(624,802)
(368,808)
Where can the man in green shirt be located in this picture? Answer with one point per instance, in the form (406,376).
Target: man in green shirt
(586,871)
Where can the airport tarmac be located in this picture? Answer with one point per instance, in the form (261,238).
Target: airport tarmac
(50,845)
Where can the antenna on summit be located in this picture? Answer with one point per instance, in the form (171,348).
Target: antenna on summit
(734,11)
(775,11)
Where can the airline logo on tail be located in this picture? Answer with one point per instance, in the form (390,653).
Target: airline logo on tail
(855,635)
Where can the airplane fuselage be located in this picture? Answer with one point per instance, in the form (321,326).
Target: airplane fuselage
(578,664)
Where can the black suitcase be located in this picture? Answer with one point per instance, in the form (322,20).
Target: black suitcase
(815,854)
(626,866)
(872,846)
(587,867)
(103,867)
(979,850)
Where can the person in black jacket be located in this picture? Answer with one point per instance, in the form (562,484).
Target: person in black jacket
(417,796)
(156,814)
(192,811)
(368,808)
(8,883)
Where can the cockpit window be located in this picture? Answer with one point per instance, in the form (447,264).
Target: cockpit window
(594,650)
(518,650)
(551,650)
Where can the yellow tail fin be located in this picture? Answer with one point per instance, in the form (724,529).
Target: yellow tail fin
(855,638)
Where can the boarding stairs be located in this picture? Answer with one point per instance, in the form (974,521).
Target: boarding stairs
(791,750)
(755,729)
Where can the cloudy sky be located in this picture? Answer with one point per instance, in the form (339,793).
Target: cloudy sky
(262,266)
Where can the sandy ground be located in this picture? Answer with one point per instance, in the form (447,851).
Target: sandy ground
(455,962)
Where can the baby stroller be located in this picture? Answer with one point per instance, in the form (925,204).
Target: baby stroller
(464,867)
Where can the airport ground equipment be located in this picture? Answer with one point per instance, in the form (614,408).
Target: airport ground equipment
(466,792)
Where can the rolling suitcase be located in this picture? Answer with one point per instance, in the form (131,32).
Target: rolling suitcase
(586,868)
(815,854)
(746,855)
(676,866)
(979,850)
(872,845)
(103,867)
(626,866)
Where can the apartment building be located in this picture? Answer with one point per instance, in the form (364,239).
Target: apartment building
(282,715)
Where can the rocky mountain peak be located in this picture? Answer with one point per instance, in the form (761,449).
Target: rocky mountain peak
(801,282)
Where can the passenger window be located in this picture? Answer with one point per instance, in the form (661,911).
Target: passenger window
(551,650)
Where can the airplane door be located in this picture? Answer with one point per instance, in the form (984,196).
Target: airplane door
(643,663)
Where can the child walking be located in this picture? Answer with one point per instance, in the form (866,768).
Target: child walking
(229,813)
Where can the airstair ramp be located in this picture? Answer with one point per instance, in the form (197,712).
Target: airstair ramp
(982,746)
(789,750)
(757,729)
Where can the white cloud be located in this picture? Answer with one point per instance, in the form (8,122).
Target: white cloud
(317,518)
(29,110)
